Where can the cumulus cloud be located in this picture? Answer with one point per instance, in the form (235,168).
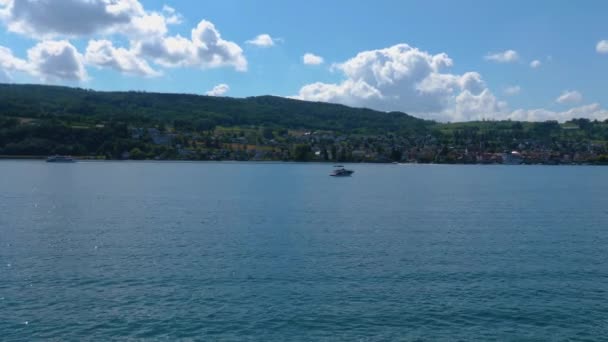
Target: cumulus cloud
(48,60)
(535,64)
(569,96)
(56,60)
(205,49)
(312,59)
(144,26)
(76,18)
(469,107)
(602,46)
(508,56)
(146,31)
(405,78)
(102,53)
(262,40)
(512,90)
(66,17)
(218,90)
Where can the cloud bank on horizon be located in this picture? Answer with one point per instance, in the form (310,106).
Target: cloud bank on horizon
(73,37)
(403,76)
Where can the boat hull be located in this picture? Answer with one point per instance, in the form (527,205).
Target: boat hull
(342,174)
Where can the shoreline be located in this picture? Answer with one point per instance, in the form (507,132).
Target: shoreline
(96,160)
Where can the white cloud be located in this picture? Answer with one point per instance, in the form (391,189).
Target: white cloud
(56,60)
(102,53)
(312,59)
(262,40)
(512,90)
(218,90)
(48,60)
(592,111)
(77,18)
(205,49)
(405,78)
(172,16)
(45,17)
(469,107)
(535,64)
(569,96)
(168,9)
(144,26)
(602,46)
(9,62)
(146,31)
(508,56)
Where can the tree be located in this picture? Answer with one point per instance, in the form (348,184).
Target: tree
(267,133)
(137,154)
(396,154)
(302,152)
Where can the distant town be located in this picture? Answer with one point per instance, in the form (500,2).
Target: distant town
(260,144)
(39,121)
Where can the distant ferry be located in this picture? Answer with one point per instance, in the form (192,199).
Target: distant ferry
(340,171)
(60,159)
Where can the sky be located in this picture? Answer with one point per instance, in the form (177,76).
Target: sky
(446,60)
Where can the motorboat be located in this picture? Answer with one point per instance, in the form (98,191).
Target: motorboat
(340,171)
(60,159)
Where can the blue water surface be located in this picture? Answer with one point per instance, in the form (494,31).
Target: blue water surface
(283,252)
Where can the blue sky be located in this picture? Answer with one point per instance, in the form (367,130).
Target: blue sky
(444,60)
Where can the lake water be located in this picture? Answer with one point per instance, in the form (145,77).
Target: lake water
(282,252)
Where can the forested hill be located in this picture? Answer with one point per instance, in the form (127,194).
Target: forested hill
(39,101)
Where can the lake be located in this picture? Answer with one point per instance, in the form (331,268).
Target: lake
(283,252)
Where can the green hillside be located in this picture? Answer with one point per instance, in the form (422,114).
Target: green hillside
(79,104)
